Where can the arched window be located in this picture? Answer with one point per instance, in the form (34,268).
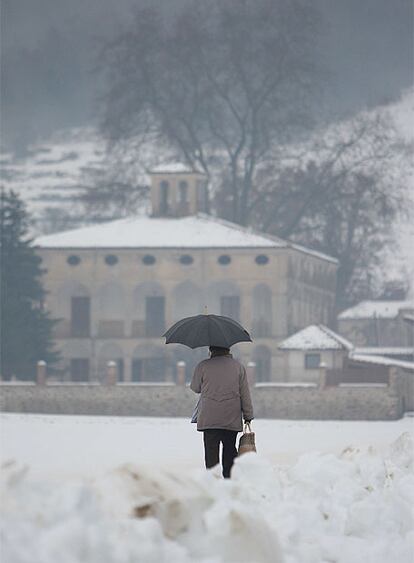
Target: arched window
(164,197)
(262,311)
(148,310)
(187,300)
(74,309)
(77,360)
(223,298)
(111,301)
(148,364)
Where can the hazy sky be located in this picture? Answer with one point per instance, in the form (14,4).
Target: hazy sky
(49,49)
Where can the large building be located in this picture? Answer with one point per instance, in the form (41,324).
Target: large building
(116,287)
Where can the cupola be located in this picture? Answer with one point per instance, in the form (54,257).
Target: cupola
(177,190)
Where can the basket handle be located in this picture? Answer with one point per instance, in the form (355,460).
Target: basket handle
(247,427)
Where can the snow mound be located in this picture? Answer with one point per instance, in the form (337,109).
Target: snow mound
(351,508)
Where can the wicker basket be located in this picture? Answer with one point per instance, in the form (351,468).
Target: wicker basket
(247,442)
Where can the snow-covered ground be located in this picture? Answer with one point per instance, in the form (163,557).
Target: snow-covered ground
(101,489)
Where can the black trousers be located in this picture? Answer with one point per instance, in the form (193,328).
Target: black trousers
(212,439)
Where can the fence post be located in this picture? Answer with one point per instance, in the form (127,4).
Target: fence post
(181,372)
(111,373)
(41,373)
(322,375)
(251,373)
(393,378)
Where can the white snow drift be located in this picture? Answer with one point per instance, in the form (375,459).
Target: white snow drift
(348,508)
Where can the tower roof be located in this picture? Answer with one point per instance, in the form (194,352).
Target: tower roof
(175,168)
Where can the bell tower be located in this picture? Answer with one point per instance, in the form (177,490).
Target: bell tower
(177,190)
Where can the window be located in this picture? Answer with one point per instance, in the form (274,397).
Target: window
(262,259)
(230,306)
(148,369)
(111,259)
(79,369)
(120,368)
(148,259)
(183,191)
(262,311)
(186,259)
(154,316)
(224,259)
(137,370)
(312,361)
(164,189)
(202,195)
(73,260)
(80,316)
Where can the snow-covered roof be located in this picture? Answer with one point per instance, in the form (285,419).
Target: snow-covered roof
(196,231)
(381,361)
(315,337)
(376,309)
(174,168)
(385,351)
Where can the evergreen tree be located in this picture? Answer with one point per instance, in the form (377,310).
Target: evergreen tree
(25,327)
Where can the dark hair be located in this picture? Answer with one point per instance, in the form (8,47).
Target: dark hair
(219,351)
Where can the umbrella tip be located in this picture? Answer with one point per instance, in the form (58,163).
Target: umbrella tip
(205,312)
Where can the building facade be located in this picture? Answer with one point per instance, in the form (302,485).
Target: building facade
(305,352)
(116,287)
(379,324)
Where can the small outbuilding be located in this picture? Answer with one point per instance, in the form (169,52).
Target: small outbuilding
(306,351)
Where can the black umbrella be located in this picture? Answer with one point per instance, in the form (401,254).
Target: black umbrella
(207,330)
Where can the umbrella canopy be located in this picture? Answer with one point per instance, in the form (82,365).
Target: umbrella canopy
(207,330)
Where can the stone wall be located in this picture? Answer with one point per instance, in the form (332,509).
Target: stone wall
(359,402)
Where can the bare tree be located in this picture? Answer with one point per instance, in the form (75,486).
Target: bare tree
(340,193)
(222,82)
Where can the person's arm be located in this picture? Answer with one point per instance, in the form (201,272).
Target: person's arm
(246,401)
(195,384)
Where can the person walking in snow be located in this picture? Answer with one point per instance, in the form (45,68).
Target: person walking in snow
(225,401)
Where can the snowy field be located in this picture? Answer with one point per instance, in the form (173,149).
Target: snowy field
(101,489)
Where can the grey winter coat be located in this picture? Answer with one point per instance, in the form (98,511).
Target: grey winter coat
(225,395)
